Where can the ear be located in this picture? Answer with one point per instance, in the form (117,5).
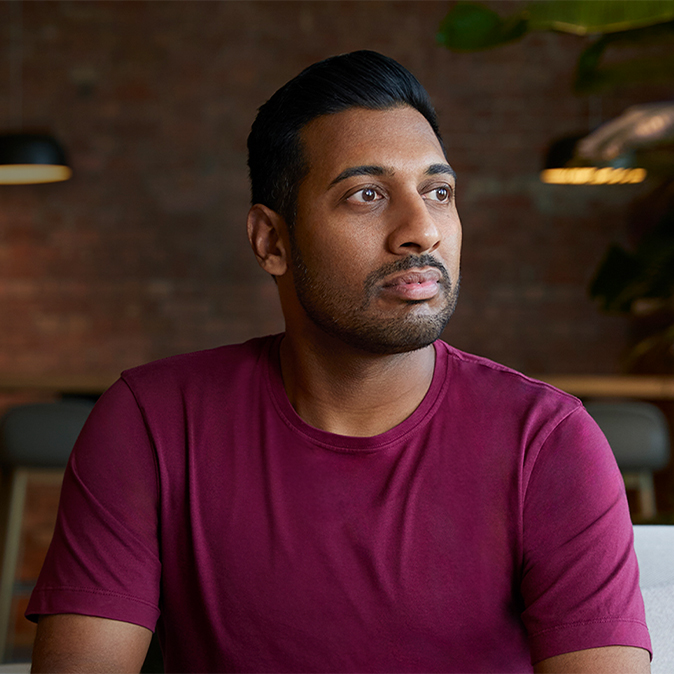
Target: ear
(264,233)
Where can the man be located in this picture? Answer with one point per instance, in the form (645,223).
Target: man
(353,495)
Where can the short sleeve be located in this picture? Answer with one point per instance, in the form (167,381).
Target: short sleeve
(103,559)
(580,581)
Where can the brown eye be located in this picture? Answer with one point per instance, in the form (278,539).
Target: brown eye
(442,194)
(366,195)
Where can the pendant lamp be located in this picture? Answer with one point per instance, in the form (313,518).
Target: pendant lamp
(609,154)
(574,159)
(565,166)
(27,158)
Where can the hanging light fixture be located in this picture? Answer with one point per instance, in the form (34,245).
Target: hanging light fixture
(27,158)
(575,159)
(607,155)
(565,165)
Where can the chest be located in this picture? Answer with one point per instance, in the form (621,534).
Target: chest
(404,550)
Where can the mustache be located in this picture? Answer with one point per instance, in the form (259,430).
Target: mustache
(404,264)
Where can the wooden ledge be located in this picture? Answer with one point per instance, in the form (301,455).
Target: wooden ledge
(650,387)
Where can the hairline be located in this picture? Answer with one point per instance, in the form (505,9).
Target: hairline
(303,162)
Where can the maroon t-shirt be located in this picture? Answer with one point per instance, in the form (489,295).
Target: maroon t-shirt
(487,531)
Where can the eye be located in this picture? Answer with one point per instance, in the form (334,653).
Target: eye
(365,195)
(441,194)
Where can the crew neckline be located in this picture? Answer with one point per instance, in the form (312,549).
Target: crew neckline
(349,443)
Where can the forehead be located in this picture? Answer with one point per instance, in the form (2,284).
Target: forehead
(398,138)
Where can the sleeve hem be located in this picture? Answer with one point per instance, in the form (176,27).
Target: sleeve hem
(94,602)
(589,634)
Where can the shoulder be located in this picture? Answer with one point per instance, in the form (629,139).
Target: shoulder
(504,405)
(200,368)
(497,384)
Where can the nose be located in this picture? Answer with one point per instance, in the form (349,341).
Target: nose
(414,229)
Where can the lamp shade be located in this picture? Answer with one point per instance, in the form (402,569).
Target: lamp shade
(27,158)
(564,166)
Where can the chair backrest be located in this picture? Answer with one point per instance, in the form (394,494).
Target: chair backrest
(637,432)
(654,545)
(42,435)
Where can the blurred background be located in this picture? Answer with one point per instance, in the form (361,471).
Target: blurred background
(142,253)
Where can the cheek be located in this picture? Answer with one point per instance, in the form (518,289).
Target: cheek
(450,250)
(341,254)
(457,244)
(453,239)
(342,266)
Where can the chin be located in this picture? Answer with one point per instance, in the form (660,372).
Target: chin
(379,331)
(392,337)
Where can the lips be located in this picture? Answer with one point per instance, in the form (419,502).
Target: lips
(417,278)
(413,284)
(413,276)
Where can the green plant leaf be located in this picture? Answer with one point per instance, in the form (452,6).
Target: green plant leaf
(648,273)
(583,17)
(470,26)
(653,70)
(655,253)
(618,280)
(659,345)
(592,77)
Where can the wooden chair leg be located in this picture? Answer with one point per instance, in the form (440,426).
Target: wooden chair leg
(14,498)
(642,483)
(647,495)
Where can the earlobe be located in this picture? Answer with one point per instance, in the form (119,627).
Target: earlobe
(264,233)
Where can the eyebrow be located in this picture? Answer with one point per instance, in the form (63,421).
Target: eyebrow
(370,170)
(361,171)
(436,169)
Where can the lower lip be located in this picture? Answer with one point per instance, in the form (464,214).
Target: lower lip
(413,291)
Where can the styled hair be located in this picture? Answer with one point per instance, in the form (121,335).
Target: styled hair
(361,79)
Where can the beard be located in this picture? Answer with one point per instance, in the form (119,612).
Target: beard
(361,326)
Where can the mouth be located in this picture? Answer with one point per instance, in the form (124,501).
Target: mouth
(412,276)
(413,279)
(414,284)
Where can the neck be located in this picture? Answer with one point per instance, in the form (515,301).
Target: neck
(346,391)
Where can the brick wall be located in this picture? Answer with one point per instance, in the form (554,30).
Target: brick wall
(143,253)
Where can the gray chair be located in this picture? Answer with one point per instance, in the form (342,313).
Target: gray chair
(33,437)
(654,545)
(638,433)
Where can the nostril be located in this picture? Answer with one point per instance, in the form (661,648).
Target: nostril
(417,245)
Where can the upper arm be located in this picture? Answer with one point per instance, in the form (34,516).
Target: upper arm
(606,660)
(104,558)
(78,643)
(580,582)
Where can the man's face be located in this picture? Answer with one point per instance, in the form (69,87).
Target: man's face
(376,243)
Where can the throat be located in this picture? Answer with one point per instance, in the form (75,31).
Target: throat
(359,397)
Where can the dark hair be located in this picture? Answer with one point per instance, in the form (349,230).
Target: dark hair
(361,79)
